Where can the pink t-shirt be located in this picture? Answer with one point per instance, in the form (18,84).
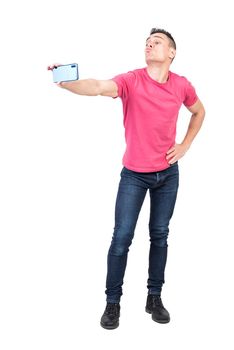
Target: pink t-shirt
(150,115)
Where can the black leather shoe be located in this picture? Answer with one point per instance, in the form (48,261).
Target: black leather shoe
(155,307)
(110,318)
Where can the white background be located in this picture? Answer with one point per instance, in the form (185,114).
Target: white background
(60,160)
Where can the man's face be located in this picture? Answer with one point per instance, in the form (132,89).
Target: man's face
(158,48)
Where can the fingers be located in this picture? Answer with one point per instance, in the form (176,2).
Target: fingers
(171,156)
(52,66)
(171,153)
(60,84)
(173,160)
(171,150)
(175,153)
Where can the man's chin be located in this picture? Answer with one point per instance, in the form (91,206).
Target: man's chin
(148,61)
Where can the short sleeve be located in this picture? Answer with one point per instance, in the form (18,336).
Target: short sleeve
(190,95)
(125,83)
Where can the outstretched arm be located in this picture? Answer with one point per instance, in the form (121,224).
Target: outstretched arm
(179,150)
(89,87)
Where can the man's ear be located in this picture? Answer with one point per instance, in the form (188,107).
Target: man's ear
(172,53)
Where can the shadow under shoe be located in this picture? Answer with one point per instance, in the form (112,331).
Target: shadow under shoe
(110,318)
(155,307)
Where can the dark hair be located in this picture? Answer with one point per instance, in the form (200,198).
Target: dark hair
(157,30)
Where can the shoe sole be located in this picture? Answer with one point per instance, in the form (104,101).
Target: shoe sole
(109,327)
(158,321)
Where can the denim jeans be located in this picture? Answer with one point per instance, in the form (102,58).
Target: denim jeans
(133,186)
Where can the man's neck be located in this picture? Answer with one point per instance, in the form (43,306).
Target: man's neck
(159,73)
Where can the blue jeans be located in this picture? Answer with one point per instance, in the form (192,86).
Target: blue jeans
(163,186)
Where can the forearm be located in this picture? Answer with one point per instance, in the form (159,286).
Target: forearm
(88,87)
(193,128)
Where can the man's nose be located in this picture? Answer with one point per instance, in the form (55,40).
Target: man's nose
(149,45)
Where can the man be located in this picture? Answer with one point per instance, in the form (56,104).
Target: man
(151,97)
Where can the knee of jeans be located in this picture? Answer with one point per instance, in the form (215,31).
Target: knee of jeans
(159,235)
(120,244)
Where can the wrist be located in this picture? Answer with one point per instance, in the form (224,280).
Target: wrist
(186,145)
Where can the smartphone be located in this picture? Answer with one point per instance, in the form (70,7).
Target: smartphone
(66,72)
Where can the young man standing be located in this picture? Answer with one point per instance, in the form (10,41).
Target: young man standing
(151,97)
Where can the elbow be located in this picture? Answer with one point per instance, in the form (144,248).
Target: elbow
(203,113)
(200,114)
